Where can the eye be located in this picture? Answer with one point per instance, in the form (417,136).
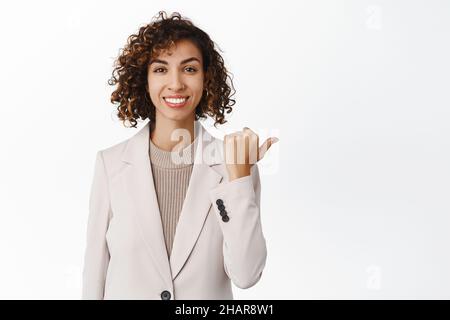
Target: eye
(194,70)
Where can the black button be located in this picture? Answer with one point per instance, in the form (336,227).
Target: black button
(225,218)
(223,213)
(221,207)
(219,202)
(165,295)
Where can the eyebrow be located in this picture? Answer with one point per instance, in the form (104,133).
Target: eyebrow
(182,62)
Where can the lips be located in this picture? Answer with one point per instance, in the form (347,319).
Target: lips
(176,97)
(176,105)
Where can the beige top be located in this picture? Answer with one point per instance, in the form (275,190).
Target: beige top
(171,179)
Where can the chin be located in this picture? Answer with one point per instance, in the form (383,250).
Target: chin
(177,115)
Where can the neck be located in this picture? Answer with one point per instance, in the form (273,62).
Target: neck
(162,129)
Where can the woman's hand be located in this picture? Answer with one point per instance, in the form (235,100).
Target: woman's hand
(242,151)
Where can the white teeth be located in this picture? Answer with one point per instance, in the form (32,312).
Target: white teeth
(175,100)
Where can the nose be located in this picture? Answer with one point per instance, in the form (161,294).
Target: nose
(176,83)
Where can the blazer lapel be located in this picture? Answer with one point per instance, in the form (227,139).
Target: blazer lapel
(196,204)
(195,209)
(140,189)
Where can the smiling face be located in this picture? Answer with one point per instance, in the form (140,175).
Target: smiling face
(176,72)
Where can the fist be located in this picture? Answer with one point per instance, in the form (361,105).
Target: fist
(242,151)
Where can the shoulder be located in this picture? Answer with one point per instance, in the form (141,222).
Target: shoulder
(114,151)
(113,155)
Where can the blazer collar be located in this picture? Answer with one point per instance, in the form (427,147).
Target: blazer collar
(141,196)
(210,149)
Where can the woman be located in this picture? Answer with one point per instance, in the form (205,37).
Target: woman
(151,185)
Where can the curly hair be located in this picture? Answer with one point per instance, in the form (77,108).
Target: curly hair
(131,67)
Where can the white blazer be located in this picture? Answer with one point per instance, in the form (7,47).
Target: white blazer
(125,255)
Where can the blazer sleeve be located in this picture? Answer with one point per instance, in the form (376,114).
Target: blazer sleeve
(96,258)
(244,246)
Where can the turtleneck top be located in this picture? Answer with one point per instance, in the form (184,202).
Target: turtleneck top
(171,174)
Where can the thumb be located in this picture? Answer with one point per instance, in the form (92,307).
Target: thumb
(266,145)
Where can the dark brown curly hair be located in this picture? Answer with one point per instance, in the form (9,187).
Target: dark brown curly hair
(131,67)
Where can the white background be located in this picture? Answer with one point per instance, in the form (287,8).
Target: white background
(355,195)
